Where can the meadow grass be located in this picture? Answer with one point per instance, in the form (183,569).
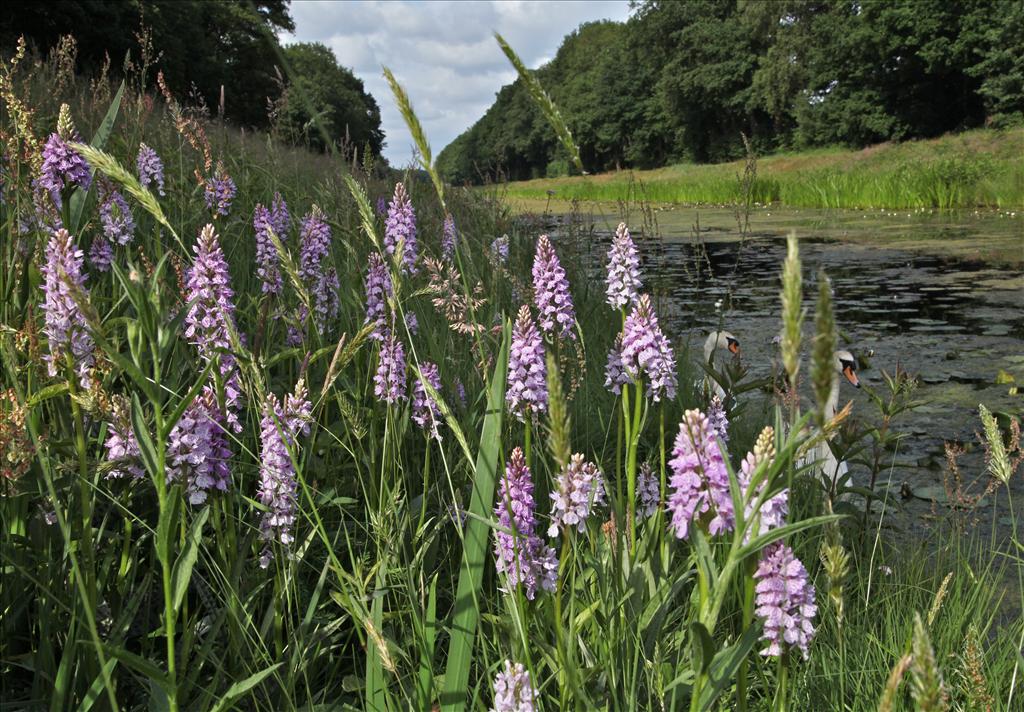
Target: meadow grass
(978,168)
(122,593)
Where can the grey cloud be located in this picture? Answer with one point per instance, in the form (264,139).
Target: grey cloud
(443,53)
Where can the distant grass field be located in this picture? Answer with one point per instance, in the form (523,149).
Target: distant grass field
(980,168)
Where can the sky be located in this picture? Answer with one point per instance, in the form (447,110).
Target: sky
(442,52)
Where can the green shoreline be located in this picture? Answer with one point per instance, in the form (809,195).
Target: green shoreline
(980,168)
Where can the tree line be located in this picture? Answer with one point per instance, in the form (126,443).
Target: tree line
(207,50)
(680,81)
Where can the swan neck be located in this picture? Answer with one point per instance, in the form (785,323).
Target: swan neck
(832,403)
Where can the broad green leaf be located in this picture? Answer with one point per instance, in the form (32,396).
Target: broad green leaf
(724,666)
(474,553)
(702,648)
(783,532)
(139,664)
(147,450)
(187,558)
(185,402)
(78,198)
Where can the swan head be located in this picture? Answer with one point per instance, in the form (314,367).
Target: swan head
(846,364)
(722,340)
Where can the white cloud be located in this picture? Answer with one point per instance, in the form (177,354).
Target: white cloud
(442,52)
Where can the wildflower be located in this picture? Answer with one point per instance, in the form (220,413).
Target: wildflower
(62,167)
(280,219)
(785,601)
(116,218)
(400,230)
(210,319)
(513,691)
(520,554)
(527,373)
(219,191)
(382,206)
(122,447)
(412,322)
(623,270)
(719,420)
(267,268)
(648,490)
(499,250)
(101,253)
(389,381)
(449,237)
(279,429)
(425,411)
(326,302)
(460,391)
(551,291)
(197,449)
(646,350)
(63,287)
(615,375)
(320,280)
(699,479)
(772,512)
(378,290)
(150,167)
(580,488)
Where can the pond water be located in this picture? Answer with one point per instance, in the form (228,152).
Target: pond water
(940,296)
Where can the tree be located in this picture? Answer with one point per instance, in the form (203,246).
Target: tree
(205,45)
(682,80)
(327,102)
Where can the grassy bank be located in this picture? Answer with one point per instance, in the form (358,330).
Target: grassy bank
(981,168)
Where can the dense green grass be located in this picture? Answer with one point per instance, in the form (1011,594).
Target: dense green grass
(980,168)
(389,598)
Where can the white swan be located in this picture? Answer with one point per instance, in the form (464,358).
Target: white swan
(831,468)
(715,348)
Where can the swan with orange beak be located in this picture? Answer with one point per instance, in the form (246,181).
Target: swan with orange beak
(832,468)
(716,346)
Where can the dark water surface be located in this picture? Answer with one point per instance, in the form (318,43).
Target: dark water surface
(940,296)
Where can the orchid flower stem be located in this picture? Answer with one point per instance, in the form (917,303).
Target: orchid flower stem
(748,617)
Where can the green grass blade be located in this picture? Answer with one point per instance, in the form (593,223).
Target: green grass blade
(376,686)
(474,553)
(97,687)
(241,687)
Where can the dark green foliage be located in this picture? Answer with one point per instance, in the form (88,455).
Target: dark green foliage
(681,81)
(327,103)
(206,48)
(207,45)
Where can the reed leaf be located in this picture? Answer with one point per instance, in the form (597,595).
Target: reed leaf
(474,548)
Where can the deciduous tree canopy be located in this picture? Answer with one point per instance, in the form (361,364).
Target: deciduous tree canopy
(681,81)
(203,46)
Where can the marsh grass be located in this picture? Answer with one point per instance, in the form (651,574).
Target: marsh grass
(388,599)
(979,168)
